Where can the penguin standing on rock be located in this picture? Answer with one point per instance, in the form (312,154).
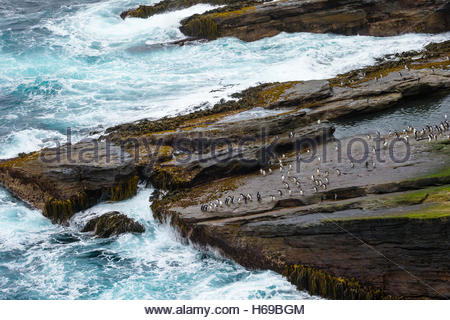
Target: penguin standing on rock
(258,197)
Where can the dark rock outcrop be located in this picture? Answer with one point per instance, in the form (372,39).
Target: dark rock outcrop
(62,181)
(348,17)
(112,224)
(373,234)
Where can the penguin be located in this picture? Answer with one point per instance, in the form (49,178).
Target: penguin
(338,172)
(258,197)
(280,193)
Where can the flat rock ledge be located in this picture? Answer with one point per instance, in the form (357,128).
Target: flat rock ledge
(112,224)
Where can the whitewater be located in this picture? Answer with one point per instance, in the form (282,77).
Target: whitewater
(77,64)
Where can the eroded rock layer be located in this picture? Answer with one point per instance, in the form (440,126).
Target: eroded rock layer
(62,181)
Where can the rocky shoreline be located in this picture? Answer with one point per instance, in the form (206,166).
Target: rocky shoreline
(254,20)
(352,238)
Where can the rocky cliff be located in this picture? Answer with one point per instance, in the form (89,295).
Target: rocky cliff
(340,229)
(373,233)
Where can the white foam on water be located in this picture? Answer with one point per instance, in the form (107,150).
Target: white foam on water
(99,27)
(90,72)
(161,267)
(28,140)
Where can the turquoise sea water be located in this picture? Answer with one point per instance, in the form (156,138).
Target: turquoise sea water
(77,64)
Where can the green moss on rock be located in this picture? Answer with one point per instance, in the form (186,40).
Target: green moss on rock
(124,190)
(317,282)
(60,211)
(201,27)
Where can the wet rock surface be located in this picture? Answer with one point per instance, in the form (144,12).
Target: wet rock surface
(376,232)
(62,181)
(112,224)
(250,22)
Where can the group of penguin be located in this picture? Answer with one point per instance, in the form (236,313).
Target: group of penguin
(321,180)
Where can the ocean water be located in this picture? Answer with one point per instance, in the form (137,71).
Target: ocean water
(77,64)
